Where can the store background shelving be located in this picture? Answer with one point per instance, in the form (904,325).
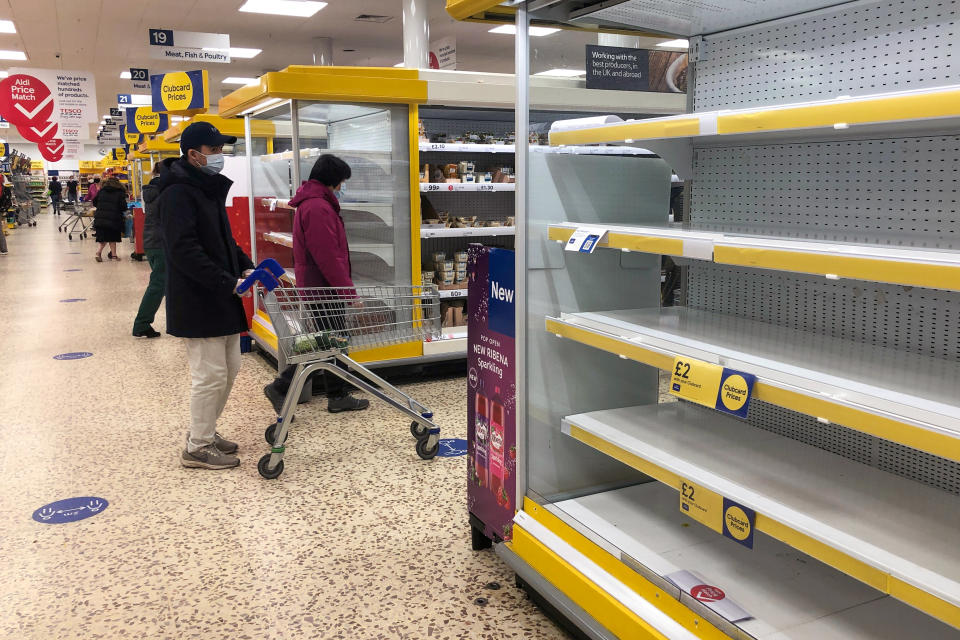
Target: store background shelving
(813,247)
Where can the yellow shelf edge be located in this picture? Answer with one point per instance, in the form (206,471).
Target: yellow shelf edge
(938,444)
(590,597)
(653,129)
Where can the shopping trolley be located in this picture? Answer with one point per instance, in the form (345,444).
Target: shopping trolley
(80,216)
(317,328)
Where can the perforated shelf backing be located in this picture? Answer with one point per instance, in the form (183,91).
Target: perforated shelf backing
(897,191)
(854,49)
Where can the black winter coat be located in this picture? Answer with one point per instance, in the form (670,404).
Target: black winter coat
(203,260)
(152,233)
(111,204)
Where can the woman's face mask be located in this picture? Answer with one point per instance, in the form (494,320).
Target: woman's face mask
(341,191)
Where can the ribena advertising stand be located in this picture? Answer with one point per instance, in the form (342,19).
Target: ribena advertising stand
(491,395)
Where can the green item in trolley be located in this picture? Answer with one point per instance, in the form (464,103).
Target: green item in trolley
(319,341)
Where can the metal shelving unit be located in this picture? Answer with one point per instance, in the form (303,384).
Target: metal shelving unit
(818,254)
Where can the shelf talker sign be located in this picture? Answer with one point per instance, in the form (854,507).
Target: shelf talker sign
(717,512)
(181,92)
(712,386)
(146,120)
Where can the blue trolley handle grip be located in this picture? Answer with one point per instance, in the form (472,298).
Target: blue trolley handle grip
(267,273)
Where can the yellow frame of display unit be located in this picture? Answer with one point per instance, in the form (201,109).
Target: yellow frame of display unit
(333,84)
(866,573)
(226,126)
(938,444)
(159,145)
(917,274)
(601,606)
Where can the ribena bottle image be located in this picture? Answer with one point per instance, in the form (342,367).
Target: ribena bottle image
(497,461)
(481,439)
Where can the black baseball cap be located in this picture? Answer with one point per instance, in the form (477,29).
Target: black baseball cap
(203,133)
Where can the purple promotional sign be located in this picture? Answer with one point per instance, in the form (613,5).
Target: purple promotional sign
(491,391)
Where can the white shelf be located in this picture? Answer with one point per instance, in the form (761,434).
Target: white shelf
(279,237)
(467,232)
(456,147)
(452,340)
(446,294)
(789,595)
(913,397)
(383,250)
(922,267)
(473,187)
(898,526)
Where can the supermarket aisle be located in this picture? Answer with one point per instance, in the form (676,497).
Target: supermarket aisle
(359,538)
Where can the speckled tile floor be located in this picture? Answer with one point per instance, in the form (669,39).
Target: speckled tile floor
(358,539)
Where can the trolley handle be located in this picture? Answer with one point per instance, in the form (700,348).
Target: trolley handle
(267,273)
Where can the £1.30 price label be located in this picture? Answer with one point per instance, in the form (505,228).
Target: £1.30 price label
(714,511)
(712,386)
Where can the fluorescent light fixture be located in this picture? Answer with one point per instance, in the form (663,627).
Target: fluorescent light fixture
(399,64)
(675,44)
(262,105)
(236,52)
(4,74)
(141,99)
(7,26)
(124,75)
(6,54)
(243,81)
(511,29)
(562,73)
(300,9)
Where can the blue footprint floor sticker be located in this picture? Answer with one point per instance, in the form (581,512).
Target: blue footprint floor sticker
(452,447)
(70,510)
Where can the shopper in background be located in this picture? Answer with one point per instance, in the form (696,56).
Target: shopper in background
(72,186)
(111,205)
(321,258)
(92,190)
(56,193)
(153,247)
(204,268)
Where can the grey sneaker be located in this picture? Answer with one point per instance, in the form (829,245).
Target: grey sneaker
(208,457)
(346,403)
(223,445)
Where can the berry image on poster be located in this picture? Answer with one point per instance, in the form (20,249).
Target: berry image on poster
(25,100)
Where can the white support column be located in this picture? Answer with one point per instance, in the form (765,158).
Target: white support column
(416,34)
(323,52)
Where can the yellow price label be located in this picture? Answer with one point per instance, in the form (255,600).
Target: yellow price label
(696,381)
(701,504)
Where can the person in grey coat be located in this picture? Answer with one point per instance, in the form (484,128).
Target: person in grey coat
(153,247)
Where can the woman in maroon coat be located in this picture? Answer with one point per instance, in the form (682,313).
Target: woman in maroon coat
(321,258)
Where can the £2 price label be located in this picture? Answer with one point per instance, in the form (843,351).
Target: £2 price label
(714,511)
(712,386)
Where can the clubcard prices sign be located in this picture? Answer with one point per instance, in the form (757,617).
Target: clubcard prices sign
(146,120)
(181,93)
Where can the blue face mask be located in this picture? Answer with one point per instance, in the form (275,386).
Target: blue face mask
(342,191)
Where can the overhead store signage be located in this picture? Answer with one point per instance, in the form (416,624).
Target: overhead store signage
(628,69)
(53,149)
(443,53)
(132,138)
(41,96)
(38,132)
(3,123)
(119,154)
(146,120)
(140,78)
(124,98)
(717,512)
(712,386)
(115,112)
(188,46)
(181,92)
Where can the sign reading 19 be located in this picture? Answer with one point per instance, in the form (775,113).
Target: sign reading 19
(161,37)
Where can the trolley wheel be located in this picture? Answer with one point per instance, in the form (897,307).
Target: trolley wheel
(426,452)
(270,433)
(266,472)
(418,430)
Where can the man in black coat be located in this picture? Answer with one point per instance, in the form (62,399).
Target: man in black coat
(204,267)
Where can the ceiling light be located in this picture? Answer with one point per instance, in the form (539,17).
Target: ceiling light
(6,26)
(563,73)
(301,9)
(399,64)
(124,75)
(12,55)
(243,81)
(141,98)
(4,74)
(236,52)
(262,105)
(511,29)
(675,44)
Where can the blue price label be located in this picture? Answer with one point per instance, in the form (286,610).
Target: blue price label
(123,98)
(160,38)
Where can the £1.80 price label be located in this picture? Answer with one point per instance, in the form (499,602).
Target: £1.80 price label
(712,386)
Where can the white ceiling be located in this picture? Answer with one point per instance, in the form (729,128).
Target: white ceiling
(111,37)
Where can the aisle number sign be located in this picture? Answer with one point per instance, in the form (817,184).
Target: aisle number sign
(146,120)
(716,512)
(712,386)
(181,92)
